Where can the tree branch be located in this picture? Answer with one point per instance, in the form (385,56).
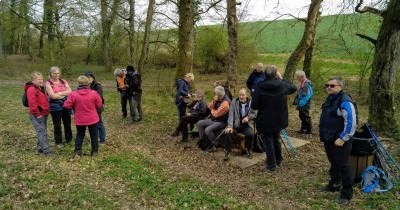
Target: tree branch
(372,40)
(169,18)
(368,9)
(210,7)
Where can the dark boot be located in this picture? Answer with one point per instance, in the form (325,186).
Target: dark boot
(227,154)
(175,133)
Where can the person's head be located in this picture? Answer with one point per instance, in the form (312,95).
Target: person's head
(54,73)
(90,76)
(199,95)
(130,69)
(271,72)
(37,78)
(242,95)
(219,92)
(300,75)
(334,85)
(119,73)
(189,77)
(83,80)
(259,67)
(216,83)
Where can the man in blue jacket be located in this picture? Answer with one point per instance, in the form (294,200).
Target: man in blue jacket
(336,127)
(182,94)
(302,100)
(255,77)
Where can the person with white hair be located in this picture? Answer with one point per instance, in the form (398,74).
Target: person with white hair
(302,100)
(255,77)
(58,90)
(270,99)
(219,108)
(182,94)
(122,89)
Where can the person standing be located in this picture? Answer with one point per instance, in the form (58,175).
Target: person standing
(270,99)
(58,89)
(85,103)
(39,109)
(182,94)
(302,100)
(121,87)
(133,82)
(94,85)
(240,114)
(255,77)
(336,127)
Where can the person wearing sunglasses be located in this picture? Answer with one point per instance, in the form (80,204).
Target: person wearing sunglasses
(337,126)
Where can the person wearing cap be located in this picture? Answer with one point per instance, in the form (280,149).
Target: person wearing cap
(85,103)
(182,94)
(133,82)
(94,85)
(121,87)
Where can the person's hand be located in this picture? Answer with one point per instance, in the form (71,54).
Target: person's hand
(278,75)
(39,117)
(215,98)
(228,130)
(339,142)
(245,120)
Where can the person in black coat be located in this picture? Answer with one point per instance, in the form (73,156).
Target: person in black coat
(133,82)
(270,99)
(182,94)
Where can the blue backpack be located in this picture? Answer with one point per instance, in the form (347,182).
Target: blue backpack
(374,179)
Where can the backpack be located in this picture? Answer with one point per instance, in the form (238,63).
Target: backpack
(25,98)
(374,179)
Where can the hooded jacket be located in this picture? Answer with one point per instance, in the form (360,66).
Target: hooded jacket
(85,103)
(270,99)
(37,100)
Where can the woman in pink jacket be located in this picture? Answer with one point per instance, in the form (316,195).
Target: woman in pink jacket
(85,103)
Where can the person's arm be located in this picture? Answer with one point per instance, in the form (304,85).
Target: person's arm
(51,93)
(249,82)
(221,111)
(231,115)
(290,87)
(305,95)
(181,91)
(255,101)
(32,101)
(98,101)
(69,103)
(350,123)
(67,90)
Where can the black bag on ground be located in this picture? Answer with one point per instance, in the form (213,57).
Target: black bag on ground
(362,143)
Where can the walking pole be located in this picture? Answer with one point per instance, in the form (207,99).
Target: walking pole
(287,150)
(215,140)
(289,143)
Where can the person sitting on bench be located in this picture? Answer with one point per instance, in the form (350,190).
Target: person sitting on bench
(219,108)
(198,109)
(240,113)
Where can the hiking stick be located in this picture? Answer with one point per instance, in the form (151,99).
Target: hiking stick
(215,140)
(289,143)
(287,150)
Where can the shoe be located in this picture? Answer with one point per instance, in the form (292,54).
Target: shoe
(184,141)
(342,201)
(40,151)
(175,133)
(102,142)
(77,153)
(278,163)
(301,132)
(330,188)
(48,153)
(140,119)
(94,153)
(59,145)
(249,154)
(226,157)
(271,169)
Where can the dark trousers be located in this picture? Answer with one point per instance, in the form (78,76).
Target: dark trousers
(249,136)
(101,128)
(124,102)
(181,110)
(273,149)
(64,116)
(183,125)
(80,135)
(135,104)
(340,170)
(304,114)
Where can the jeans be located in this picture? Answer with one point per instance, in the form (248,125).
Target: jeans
(101,129)
(340,169)
(304,115)
(40,126)
(80,135)
(207,128)
(135,102)
(64,116)
(124,100)
(273,149)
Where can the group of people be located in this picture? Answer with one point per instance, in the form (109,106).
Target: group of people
(55,97)
(268,108)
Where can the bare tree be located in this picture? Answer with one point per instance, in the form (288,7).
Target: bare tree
(107,19)
(385,65)
(145,46)
(233,42)
(305,42)
(131,30)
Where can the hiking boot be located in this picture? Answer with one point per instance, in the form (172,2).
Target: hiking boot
(226,157)
(249,154)
(278,162)
(94,153)
(270,169)
(342,201)
(184,140)
(330,188)
(77,153)
(175,133)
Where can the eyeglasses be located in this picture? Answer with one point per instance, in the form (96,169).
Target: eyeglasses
(330,85)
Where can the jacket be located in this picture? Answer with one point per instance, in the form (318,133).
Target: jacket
(254,79)
(134,83)
(270,99)
(220,109)
(198,109)
(85,103)
(338,118)
(235,117)
(304,94)
(37,100)
(121,88)
(182,90)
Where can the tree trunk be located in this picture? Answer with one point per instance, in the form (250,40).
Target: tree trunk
(185,37)
(233,43)
(147,28)
(106,23)
(12,45)
(132,30)
(309,33)
(308,56)
(49,11)
(24,9)
(384,70)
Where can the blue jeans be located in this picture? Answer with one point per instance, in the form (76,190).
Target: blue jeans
(40,126)
(102,129)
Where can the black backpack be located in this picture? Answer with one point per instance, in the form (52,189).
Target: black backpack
(25,97)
